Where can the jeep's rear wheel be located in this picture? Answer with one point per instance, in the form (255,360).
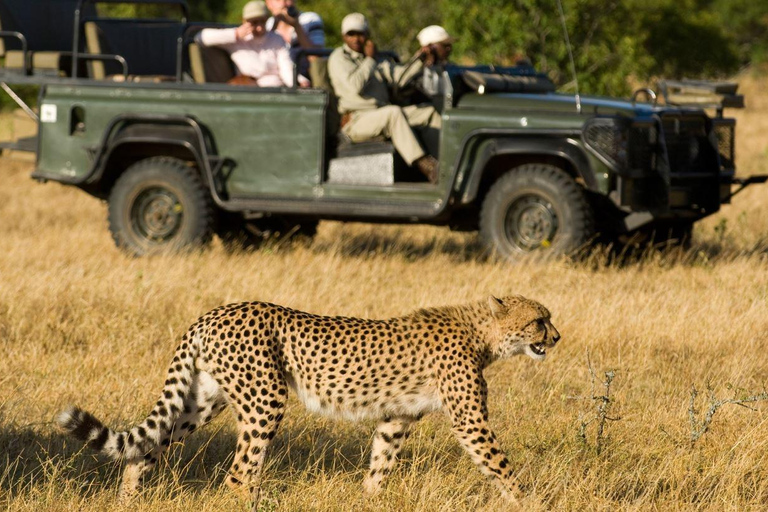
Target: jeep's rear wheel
(535,208)
(160,204)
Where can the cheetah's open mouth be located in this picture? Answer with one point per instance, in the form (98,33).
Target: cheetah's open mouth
(538,349)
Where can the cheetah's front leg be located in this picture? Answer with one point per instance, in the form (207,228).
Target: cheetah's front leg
(469,416)
(387,443)
(480,443)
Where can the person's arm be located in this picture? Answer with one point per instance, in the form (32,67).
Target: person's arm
(217,36)
(285,66)
(308,27)
(314,29)
(348,76)
(402,74)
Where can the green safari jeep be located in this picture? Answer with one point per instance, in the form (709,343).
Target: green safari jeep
(183,157)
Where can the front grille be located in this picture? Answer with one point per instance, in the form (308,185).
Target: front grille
(642,147)
(688,148)
(604,136)
(627,147)
(725,144)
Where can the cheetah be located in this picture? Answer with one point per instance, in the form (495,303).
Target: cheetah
(393,371)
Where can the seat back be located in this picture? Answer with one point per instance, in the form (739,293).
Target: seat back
(149,48)
(210,65)
(95,45)
(318,75)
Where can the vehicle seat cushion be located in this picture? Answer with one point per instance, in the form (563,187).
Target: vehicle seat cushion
(50,60)
(14,59)
(347,148)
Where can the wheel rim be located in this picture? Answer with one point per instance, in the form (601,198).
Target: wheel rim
(157,214)
(531,223)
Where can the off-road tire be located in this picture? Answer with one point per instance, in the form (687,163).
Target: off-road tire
(160,204)
(536,208)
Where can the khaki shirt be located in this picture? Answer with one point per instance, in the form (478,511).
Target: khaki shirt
(362,83)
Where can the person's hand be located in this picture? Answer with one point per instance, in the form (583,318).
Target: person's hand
(287,18)
(369,50)
(243,31)
(426,55)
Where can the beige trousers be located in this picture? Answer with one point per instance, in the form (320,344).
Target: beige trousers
(394,123)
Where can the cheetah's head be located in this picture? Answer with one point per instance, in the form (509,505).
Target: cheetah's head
(521,326)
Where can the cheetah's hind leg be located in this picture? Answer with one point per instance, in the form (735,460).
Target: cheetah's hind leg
(203,402)
(259,417)
(388,441)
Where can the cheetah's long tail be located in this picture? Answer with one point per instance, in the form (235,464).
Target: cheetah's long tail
(156,428)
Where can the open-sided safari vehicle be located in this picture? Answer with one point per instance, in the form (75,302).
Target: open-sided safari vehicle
(134,112)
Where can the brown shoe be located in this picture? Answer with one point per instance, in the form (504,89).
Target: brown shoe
(428,166)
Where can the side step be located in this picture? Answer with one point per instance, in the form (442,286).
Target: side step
(365,163)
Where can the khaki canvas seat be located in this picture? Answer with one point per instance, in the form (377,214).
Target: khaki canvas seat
(13,60)
(210,65)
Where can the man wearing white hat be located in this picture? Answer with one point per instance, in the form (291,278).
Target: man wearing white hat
(257,53)
(437,44)
(361,84)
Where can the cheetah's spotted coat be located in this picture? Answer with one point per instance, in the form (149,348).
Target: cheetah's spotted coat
(247,355)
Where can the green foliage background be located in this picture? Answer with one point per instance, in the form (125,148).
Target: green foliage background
(614,41)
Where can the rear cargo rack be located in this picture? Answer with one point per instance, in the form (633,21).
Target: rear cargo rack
(702,94)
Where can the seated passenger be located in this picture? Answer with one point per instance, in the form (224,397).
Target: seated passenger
(298,29)
(436,44)
(361,84)
(260,56)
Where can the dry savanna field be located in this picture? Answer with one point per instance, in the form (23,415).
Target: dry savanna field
(83,323)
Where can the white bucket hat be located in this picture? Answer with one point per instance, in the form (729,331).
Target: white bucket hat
(354,22)
(434,34)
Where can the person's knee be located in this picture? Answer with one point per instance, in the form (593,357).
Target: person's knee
(393,112)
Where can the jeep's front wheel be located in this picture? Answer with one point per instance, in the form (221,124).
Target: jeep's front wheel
(160,204)
(535,208)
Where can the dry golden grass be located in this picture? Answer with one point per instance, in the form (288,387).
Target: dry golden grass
(81,322)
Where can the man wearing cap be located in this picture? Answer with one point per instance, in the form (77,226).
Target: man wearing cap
(437,44)
(361,84)
(257,53)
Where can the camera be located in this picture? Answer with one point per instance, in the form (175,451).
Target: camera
(293,11)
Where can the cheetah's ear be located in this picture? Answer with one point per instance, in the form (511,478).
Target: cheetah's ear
(498,308)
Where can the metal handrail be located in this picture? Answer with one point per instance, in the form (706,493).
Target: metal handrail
(649,94)
(24,45)
(106,57)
